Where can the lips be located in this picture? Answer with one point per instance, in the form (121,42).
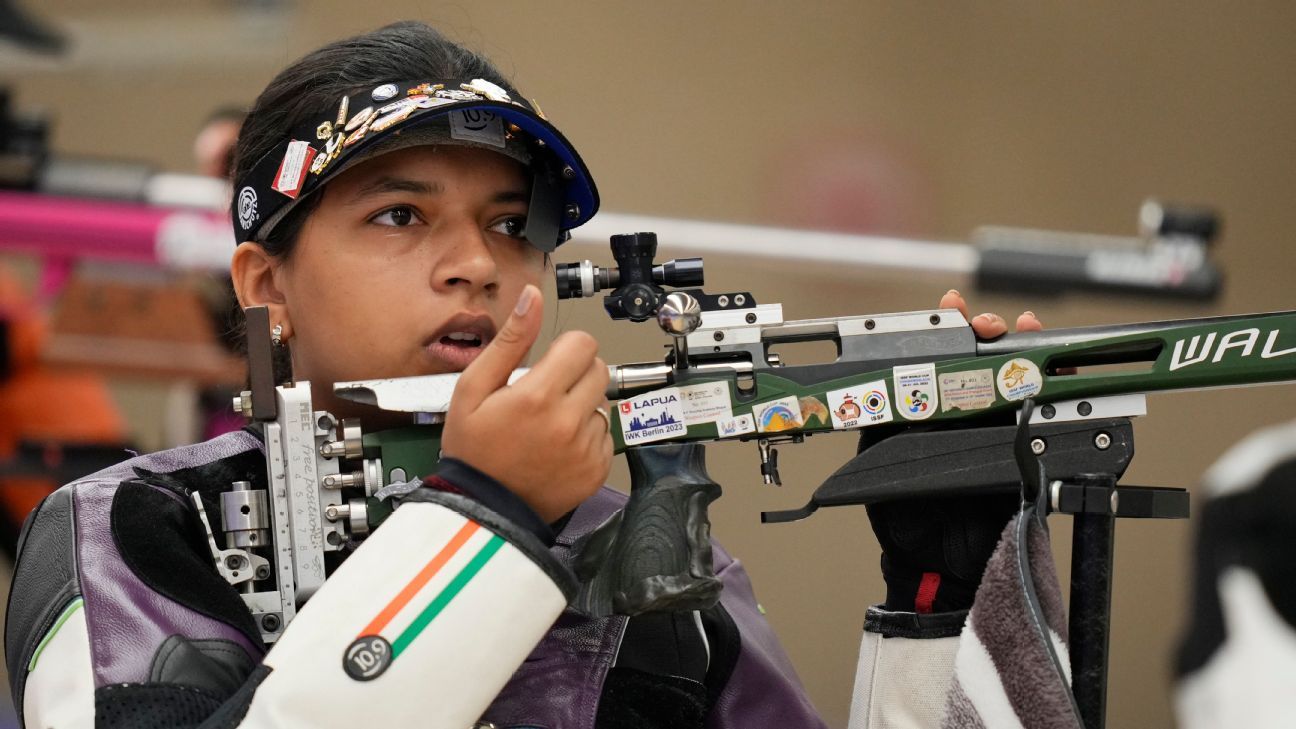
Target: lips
(460,340)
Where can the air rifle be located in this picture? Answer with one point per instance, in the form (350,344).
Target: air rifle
(921,378)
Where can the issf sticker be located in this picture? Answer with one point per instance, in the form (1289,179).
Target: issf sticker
(293,168)
(1019,379)
(707,402)
(854,407)
(740,425)
(915,391)
(652,416)
(973,390)
(775,415)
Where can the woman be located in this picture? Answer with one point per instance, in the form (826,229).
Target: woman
(397,199)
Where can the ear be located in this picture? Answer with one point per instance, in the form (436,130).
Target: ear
(254,274)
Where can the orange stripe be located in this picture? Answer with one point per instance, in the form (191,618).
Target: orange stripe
(424,576)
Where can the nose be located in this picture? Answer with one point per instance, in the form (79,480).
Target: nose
(467,261)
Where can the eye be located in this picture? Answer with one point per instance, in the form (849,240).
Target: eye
(397,217)
(513,226)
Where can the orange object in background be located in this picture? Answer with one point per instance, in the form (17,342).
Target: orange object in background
(57,411)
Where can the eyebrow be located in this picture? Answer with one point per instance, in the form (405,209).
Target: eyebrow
(509,196)
(384,185)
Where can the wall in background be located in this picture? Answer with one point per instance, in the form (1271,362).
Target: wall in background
(947,116)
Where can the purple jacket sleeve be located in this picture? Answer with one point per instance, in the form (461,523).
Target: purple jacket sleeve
(763,690)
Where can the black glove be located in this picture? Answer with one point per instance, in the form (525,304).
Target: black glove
(934,550)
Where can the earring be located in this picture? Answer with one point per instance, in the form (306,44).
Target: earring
(276,335)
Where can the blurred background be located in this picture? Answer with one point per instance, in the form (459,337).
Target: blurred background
(920,120)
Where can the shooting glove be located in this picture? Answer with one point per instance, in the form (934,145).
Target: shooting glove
(934,551)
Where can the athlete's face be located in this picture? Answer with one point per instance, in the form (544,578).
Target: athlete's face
(409,265)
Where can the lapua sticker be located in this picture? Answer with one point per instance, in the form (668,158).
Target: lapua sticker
(652,416)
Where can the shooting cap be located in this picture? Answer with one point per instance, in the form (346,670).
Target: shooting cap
(392,116)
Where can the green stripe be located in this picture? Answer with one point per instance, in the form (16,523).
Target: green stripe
(447,594)
(62,618)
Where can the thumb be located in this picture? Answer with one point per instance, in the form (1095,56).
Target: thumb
(491,370)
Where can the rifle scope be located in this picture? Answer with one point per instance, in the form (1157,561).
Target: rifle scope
(637,283)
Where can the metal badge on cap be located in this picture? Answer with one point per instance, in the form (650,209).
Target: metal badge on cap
(480,112)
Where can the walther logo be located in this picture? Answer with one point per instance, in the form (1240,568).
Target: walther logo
(1199,349)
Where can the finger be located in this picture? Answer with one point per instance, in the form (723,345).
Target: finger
(989,326)
(505,352)
(566,361)
(1028,322)
(590,391)
(954,300)
(597,436)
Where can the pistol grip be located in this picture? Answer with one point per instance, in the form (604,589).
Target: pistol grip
(654,554)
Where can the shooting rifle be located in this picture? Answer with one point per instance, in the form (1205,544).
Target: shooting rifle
(923,374)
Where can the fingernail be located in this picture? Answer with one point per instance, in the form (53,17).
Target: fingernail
(981,317)
(524,301)
(1031,314)
(953,291)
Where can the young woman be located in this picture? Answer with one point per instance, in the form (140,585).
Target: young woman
(397,199)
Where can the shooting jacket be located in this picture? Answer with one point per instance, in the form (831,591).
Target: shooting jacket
(162,640)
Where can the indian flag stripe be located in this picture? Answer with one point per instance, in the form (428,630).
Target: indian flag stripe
(424,576)
(443,598)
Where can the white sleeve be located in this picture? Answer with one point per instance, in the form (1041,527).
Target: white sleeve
(60,679)
(422,625)
(903,677)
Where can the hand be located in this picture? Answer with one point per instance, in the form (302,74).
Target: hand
(989,325)
(540,437)
(949,538)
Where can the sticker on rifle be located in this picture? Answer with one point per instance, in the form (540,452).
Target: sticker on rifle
(652,416)
(967,390)
(781,414)
(730,427)
(706,403)
(1019,379)
(915,391)
(293,168)
(855,407)
(813,407)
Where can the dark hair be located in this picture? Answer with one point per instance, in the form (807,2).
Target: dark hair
(400,51)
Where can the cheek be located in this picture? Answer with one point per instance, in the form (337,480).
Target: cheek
(523,266)
(343,302)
